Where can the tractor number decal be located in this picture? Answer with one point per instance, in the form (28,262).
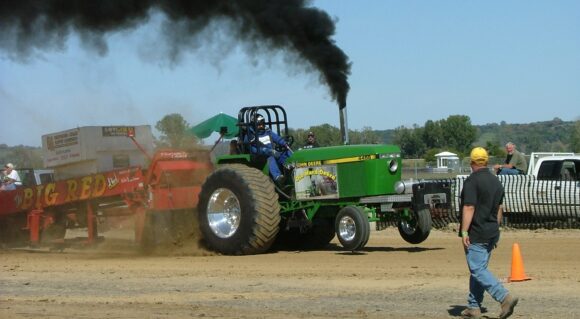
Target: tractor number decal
(316,182)
(351,159)
(338,160)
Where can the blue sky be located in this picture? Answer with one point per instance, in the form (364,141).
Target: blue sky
(413,61)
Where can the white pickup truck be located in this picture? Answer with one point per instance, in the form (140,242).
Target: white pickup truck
(551,189)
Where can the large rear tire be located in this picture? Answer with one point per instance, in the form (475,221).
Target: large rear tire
(238,210)
(352,227)
(417,229)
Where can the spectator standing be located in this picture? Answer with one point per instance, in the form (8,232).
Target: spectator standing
(481,212)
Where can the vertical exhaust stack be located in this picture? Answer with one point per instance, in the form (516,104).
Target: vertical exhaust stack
(343,125)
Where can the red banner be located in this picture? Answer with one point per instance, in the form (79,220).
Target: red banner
(112,183)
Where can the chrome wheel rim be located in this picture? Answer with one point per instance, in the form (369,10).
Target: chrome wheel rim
(407,228)
(223,213)
(347,228)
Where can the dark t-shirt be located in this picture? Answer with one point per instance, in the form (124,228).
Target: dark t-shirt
(483,190)
(508,158)
(311,145)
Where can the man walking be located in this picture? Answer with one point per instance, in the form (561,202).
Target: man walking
(481,213)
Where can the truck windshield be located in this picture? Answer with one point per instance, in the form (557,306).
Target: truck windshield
(559,170)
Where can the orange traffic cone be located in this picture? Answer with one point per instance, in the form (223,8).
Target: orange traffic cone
(518,273)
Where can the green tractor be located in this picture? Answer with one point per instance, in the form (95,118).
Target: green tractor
(327,191)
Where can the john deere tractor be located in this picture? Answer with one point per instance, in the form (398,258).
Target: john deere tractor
(327,191)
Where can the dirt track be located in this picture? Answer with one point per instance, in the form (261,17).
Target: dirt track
(389,279)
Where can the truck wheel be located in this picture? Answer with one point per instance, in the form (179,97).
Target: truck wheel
(238,210)
(352,227)
(416,230)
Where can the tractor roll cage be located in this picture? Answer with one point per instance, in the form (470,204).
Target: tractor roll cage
(275,119)
(274,115)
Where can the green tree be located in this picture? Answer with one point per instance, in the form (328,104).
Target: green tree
(173,129)
(299,136)
(402,137)
(458,133)
(494,149)
(326,135)
(433,134)
(366,136)
(410,141)
(22,156)
(430,155)
(575,138)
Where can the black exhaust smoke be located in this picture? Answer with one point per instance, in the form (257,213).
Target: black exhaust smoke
(28,26)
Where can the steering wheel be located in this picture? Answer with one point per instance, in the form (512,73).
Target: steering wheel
(289,140)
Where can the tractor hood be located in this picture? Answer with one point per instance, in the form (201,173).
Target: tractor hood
(348,171)
(346,153)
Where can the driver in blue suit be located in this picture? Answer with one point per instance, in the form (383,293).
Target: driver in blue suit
(265,146)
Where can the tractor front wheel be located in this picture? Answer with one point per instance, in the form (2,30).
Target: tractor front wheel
(416,229)
(352,227)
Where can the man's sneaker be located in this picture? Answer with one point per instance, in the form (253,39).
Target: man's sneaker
(471,313)
(507,306)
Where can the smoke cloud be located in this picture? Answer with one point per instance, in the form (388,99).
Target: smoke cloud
(38,25)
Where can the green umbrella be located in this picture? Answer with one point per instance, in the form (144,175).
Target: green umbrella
(221,123)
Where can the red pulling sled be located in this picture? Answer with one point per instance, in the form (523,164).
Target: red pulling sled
(162,200)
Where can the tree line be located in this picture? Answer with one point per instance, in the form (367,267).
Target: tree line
(174,133)
(456,134)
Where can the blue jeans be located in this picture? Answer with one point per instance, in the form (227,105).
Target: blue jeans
(9,187)
(481,279)
(509,171)
(274,163)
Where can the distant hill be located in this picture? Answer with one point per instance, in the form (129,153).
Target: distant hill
(548,136)
(22,156)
